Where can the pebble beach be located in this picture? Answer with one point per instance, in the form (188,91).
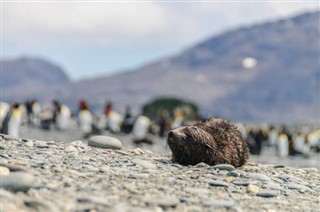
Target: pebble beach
(104,175)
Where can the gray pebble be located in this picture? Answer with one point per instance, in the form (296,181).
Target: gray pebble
(71,148)
(267,193)
(218,183)
(259,177)
(41,144)
(144,163)
(41,205)
(201,191)
(29,143)
(233,174)
(242,182)
(201,165)
(295,186)
(17,181)
(164,201)
(4,170)
(219,203)
(105,142)
(273,186)
(226,167)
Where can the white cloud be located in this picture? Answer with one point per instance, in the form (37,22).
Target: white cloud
(79,28)
(120,23)
(92,22)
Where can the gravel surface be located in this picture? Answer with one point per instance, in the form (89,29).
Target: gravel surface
(54,175)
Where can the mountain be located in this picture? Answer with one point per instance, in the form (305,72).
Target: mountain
(283,86)
(30,78)
(267,72)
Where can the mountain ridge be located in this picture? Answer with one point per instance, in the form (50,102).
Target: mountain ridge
(212,73)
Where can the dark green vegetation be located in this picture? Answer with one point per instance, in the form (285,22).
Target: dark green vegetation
(169,105)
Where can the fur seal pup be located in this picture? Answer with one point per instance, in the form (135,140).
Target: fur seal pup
(212,141)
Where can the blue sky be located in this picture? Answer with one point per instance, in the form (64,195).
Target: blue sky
(91,38)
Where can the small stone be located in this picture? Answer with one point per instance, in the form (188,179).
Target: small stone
(91,168)
(259,177)
(41,205)
(166,201)
(278,166)
(41,144)
(144,163)
(273,186)
(105,142)
(253,189)
(138,151)
(251,164)
(92,199)
(242,182)
(229,179)
(139,176)
(233,174)
(220,203)
(77,143)
(295,186)
(17,181)
(311,169)
(4,170)
(29,143)
(105,168)
(267,193)
(201,165)
(71,148)
(226,167)
(199,191)
(218,183)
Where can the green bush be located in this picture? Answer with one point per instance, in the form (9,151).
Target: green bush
(169,105)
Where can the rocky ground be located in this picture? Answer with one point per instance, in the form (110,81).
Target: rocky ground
(99,176)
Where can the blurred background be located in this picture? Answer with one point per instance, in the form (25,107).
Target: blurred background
(254,63)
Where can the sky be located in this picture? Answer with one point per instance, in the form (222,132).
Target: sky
(92,38)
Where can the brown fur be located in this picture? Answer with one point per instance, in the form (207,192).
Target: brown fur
(212,141)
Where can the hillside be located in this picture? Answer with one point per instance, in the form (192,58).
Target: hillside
(24,78)
(282,87)
(268,72)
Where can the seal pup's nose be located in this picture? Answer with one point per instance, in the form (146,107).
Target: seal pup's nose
(170,134)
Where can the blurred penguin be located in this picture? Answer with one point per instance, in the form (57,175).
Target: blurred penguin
(35,111)
(12,121)
(85,118)
(313,139)
(301,145)
(62,115)
(179,118)
(128,120)
(111,120)
(4,109)
(140,130)
(272,136)
(283,144)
